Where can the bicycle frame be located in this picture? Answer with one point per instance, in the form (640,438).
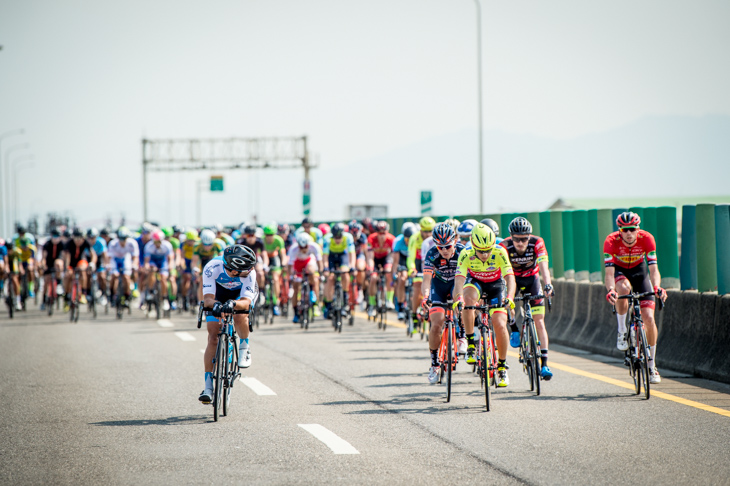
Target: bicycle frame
(530,343)
(448,349)
(637,356)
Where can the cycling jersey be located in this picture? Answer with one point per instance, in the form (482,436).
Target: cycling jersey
(496,266)
(304,254)
(414,252)
(153,252)
(381,244)
(315,233)
(616,253)
(401,246)
(345,245)
(207,253)
(24,254)
(439,267)
(224,287)
(188,249)
(276,247)
(426,246)
(118,251)
(361,244)
(257,246)
(227,239)
(77,252)
(16,239)
(174,242)
(526,264)
(3,252)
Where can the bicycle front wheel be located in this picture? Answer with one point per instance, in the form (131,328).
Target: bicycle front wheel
(218,373)
(535,358)
(644,363)
(229,376)
(449,359)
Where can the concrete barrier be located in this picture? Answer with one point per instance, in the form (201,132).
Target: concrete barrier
(694,328)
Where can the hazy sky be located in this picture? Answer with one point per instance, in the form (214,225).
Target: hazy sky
(88,79)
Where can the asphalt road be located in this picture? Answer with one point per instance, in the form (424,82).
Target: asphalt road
(110,402)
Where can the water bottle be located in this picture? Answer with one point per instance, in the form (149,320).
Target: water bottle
(312,297)
(230,345)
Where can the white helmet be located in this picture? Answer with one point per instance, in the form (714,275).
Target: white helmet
(408,224)
(303,239)
(207,237)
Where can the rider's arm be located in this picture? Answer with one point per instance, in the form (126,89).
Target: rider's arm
(656,278)
(412,248)
(458,286)
(609,279)
(511,286)
(545,271)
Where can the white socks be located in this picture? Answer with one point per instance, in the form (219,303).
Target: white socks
(621,323)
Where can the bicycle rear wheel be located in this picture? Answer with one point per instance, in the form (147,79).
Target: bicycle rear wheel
(535,358)
(218,373)
(484,367)
(449,358)
(644,363)
(10,299)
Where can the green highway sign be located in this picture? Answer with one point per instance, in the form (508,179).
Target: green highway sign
(426,205)
(216,183)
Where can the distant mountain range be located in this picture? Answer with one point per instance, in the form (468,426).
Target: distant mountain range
(654,156)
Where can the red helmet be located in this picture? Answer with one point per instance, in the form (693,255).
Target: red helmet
(324,228)
(382,226)
(628,219)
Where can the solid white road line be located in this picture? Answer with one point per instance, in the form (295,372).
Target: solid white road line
(185,336)
(330,439)
(165,323)
(258,387)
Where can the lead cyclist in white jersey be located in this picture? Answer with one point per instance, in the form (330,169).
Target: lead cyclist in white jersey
(229,283)
(305,254)
(123,258)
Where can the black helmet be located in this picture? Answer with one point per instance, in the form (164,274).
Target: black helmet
(239,258)
(520,226)
(55,233)
(307,220)
(492,225)
(250,229)
(21,229)
(338,229)
(66,233)
(77,233)
(104,231)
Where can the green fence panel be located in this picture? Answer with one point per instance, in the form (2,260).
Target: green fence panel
(667,246)
(706,250)
(649,220)
(581,244)
(546,235)
(556,235)
(722,240)
(640,212)
(568,246)
(595,248)
(606,224)
(688,258)
(504,222)
(534,219)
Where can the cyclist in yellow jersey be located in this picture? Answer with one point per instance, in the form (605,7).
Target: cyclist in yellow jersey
(26,252)
(479,274)
(187,248)
(413,262)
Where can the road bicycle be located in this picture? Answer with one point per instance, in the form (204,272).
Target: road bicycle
(304,308)
(93,286)
(267,310)
(529,349)
(448,348)
(407,310)
(7,285)
(381,302)
(50,292)
(637,356)
(225,361)
(338,309)
(74,305)
(486,365)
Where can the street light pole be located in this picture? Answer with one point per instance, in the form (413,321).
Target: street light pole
(201,183)
(17,165)
(10,133)
(6,207)
(481,128)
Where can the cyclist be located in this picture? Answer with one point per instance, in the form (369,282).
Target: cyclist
(26,255)
(464,231)
(283,231)
(380,255)
(439,270)
(22,233)
(252,241)
(75,259)
(631,263)
(400,257)
(222,235)
(275,250)
(229,283)
(145,236)
(339,254)
(170,233)
(98,244)
(426,225)
(160,253)
(51,260)
(480,273)
(361,253)
(187,250)
(308,228)
(529,259)
(305,255)
(124,254)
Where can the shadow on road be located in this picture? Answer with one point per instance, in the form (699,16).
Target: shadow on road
(183,420)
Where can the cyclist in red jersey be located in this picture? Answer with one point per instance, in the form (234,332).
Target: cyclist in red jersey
(380,255)
(630,259)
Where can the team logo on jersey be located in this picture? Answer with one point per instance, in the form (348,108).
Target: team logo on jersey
(208,272)
(607,257)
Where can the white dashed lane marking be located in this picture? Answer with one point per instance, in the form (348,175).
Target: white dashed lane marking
(258,387)
(185,336)
(165,323)
(330,439)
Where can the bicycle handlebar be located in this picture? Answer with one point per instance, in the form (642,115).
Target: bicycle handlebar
(529,297)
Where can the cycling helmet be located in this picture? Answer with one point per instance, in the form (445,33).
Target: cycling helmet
(492,225)
(482,237)
(270,229)
(405,225)
(147,228)
(2,242)
(77,233)
(104,231)
(355,227)
(54,234)
(427,223)
(168,231)
(324,228)
(177,229)
(92,233)
(453,222)
(67,233)
(464,229)
(236,234)
(123,233)
(306,221)
(282,229)
(207,237)
(367,223)
(520,226)
(409,230)
(338,229)
(382,226)
(239,258)
(191,234)
(158,236)
(21,229)
(217,227)
(250,229)
(628,219)
(303,239)
(443,234)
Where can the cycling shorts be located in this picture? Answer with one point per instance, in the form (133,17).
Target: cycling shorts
(440,294)
(275,263)
(300,265)
(162,264)
(493,293)
(80,264)
(386,263)
(120,265)
(339,261)
(531,285)
(224,295)
(640,282)
(188,265)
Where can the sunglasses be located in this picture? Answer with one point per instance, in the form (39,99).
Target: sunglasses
(520,240)
(628,230)
(445,248)
(238,273)
(483,252)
